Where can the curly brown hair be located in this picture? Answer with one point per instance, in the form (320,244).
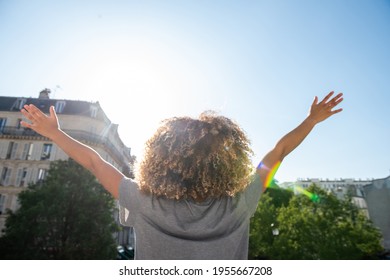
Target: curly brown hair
(196,159)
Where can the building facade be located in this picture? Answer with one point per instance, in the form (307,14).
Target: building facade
(378,201)
(25,156)
(340,188)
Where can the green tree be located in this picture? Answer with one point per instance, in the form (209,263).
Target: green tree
(263,227)
(326,228)
(66,216)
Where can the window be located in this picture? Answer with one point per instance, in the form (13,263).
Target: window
(46,152)
(30,151)
(60,105)
(42,173)
(21,179)
(27,151)
(3,122)
(94,111)
(9,151)
(20,103)
(2,203)
(18,125)
(5,174)
(12,148)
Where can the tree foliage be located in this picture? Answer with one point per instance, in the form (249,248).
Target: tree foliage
(287,226)
(66,216)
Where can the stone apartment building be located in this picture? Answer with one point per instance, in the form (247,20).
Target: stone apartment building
(377,195)
(341,187)
(25,156)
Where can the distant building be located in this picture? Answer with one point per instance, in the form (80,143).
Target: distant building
(378,201)
(340,188)
(25,156)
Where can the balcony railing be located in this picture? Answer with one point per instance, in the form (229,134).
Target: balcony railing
(17,131)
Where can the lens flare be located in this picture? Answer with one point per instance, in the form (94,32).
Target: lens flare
(313,197)
(270,182)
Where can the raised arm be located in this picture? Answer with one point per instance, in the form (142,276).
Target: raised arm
(49,127)
(318,113)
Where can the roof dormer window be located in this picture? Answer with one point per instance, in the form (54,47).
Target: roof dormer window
(93,110)
(60,105)
(20,103)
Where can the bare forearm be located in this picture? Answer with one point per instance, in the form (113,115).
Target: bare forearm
(81,153)
(294,138)
(283,147)
(286,145)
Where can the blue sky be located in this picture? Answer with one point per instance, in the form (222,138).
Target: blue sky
(258,62)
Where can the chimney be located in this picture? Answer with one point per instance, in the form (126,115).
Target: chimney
(44,94)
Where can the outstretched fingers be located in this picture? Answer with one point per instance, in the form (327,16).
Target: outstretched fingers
(330,104)
(336,111)
(337,99)
(315,101)
(27,114)
(334,102)
(326,98)
(25,124)
(32,113)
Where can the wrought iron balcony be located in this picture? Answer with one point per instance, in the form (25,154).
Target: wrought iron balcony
(17,131)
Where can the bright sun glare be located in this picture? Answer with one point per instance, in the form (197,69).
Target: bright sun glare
(137,86)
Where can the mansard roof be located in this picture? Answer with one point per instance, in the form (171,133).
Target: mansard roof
(71,107)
